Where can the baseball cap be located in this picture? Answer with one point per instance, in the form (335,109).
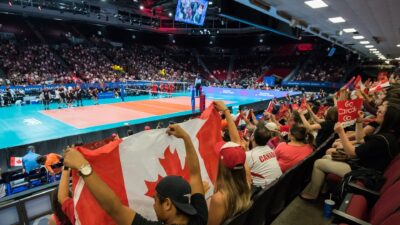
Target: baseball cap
(271,126)
(231,154)
(178,190)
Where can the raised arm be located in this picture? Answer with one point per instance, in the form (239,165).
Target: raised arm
(347,145)
(313,116)
(233,132)
(307,125)
(191,158)
(103,194)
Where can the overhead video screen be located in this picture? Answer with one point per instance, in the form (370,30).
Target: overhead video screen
(191,11)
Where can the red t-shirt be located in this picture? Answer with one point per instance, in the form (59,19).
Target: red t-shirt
(289,156)
(68,208)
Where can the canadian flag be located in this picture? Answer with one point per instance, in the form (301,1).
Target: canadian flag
(358,84)
(379,86)
(271,106)
(132,167)
(303,104)
(15,161)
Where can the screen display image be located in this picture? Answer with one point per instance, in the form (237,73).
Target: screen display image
(191,11)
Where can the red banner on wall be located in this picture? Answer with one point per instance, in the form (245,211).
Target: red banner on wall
(348,111)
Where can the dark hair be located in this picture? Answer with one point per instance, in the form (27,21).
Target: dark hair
(129,132)
(261,135)
(332,114)
(297,118)
(162,199)
(57,210)
(393,92)
(225,135)
(41,159)
(300,134)
(391,120)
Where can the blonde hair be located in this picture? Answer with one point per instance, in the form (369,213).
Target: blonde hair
(234,186)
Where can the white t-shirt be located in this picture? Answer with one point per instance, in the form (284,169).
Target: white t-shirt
(57,94)
(263,165)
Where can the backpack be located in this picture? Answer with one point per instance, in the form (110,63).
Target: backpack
(371,178)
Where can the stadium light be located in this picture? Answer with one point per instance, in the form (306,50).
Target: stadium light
(369,46)
(316,4)
(358,37)
(398,45)
(337,20)
(349,30)
(141,7)
(170,14)
(364,42)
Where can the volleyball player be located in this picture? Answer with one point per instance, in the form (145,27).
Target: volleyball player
(95,96)
(45,96)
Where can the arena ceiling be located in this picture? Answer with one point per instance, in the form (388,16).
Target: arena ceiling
(375,20)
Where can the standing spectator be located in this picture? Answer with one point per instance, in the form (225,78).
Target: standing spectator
(298,148)
(29,160)
(261,158)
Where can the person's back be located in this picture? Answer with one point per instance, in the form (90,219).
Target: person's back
(290,155)
(29,161)
(51,159)
(299,147)
(263,165)
(261,159)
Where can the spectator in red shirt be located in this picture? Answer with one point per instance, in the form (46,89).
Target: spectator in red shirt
(298,148)
(62,203)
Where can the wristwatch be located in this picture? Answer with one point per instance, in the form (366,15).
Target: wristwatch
(85,170)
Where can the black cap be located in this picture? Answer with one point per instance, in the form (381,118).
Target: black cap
(178,190)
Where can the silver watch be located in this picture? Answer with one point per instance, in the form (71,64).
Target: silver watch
(85,170)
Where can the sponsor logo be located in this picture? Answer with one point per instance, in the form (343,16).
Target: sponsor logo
(32,122)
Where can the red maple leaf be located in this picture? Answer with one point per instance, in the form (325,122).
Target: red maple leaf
(172,166)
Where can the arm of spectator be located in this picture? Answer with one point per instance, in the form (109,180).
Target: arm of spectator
(307,125)
(359,127)
(191,157)
(233,132)
(216,211)
(103,194)
(253,117)
(63,187)
(273,119)
(347,145)
(313,116)
(48,167)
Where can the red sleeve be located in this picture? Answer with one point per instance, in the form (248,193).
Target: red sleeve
(68,209)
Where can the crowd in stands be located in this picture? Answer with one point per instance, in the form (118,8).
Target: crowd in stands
(28,64)
(326,71)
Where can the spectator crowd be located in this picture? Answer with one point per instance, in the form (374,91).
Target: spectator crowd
(256,151)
